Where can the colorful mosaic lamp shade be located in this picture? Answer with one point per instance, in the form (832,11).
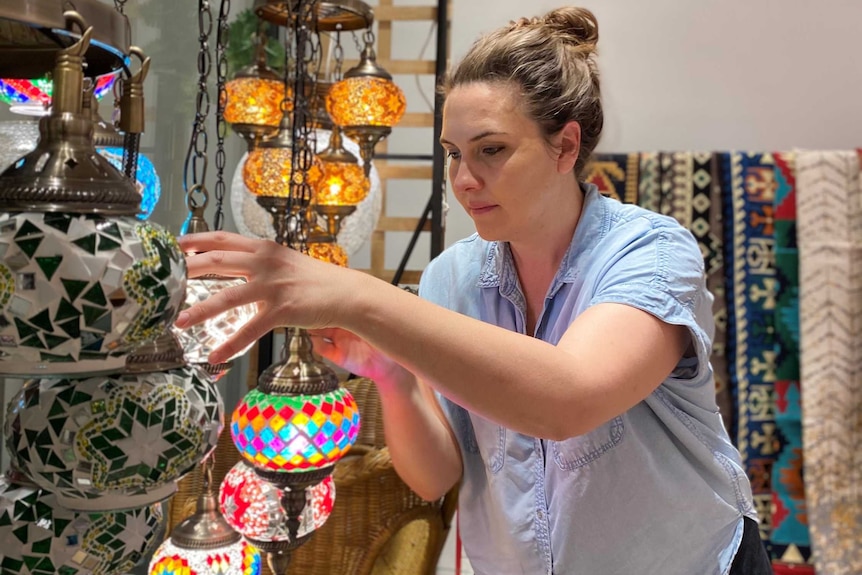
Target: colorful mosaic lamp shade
(205,544)
(118,441)
(149,184)
(295,433)
(329,252)
(34,97)
(38,537)
(255,508)
(344,182)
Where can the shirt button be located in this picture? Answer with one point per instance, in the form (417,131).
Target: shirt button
(540,515)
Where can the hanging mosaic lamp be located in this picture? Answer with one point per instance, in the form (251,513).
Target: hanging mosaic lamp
(254,98)
(252,220)
(344,183)
(82,281)
(37,536)
(117,441)
(33,97)
(366,103)
(255,507)
(205,544)
(200,340)
(321,244)
(293,429)
(267,170)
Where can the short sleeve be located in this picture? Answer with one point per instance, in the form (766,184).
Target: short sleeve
(657,267)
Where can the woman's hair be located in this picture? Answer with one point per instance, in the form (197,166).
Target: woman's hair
(552,59)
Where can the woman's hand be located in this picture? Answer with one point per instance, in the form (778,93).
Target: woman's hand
(356,355)
(288,287)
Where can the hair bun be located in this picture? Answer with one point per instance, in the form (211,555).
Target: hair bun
(579,25)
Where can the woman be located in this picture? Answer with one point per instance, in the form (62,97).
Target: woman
(557,362)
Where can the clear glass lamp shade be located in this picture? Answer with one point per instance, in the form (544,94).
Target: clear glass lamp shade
(267,172)
(254,101)
(239,558)
(77,291)
(366,101)
(33,97)
(113,442)
(148,183)
(39,536)
(295,433)
(254,507)
(202,339)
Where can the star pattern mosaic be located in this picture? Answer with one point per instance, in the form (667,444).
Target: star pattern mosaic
(38,537)
(295,433)
(112,440)
(77,290)
(253,507)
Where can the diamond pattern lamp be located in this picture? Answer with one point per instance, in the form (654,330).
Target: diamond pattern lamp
(292,429)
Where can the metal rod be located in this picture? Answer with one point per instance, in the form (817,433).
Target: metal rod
(438,184)
(421,224)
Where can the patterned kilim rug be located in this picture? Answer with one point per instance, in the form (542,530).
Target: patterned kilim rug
(750,183)
(829,224)
(790,540)
(615,175)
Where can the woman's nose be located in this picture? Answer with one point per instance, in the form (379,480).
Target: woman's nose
(463,179)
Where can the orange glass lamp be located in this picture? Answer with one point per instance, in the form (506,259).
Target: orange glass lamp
(366,103)
(254,98)
(343,186)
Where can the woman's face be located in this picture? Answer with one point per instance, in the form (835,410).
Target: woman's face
(500,165)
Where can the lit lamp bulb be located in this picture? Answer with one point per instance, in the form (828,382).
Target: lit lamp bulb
(366,104)
(344,184)
(205,544)
(267,170)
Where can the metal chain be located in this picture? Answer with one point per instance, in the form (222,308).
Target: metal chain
(196,157)
(308,61)
(338,54)
(221,125)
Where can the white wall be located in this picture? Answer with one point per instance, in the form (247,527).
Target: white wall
(709,74)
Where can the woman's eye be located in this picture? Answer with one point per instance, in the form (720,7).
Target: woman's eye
(453,154)
(491,150)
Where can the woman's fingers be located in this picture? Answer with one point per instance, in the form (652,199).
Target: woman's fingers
(228,298)
(209,241)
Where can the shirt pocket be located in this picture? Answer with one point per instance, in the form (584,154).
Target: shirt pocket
(582,450)
(492,442)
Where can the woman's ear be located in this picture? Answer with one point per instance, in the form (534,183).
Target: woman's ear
(569,147)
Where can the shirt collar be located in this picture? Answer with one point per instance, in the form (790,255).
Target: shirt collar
(498,270)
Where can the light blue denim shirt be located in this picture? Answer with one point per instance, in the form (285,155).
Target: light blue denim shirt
(659,489)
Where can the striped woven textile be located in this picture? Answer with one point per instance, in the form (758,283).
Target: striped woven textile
(829,227)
